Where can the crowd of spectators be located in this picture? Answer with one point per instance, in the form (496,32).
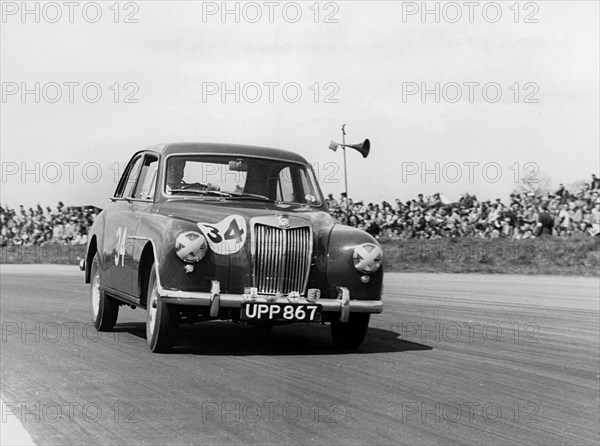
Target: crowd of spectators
(36,226)
(528,215)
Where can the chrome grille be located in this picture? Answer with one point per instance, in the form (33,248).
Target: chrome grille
(282,259)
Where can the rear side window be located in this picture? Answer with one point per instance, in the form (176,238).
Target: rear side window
(128,180)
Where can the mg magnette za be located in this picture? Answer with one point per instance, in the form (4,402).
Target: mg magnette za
(200,231)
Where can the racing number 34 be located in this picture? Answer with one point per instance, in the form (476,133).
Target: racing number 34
(227,236)
(233,232)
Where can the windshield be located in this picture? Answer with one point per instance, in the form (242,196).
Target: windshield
(240,179)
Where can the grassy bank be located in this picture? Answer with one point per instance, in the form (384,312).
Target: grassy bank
(551,255)
(55,253)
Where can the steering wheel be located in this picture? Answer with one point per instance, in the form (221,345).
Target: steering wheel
(193,186)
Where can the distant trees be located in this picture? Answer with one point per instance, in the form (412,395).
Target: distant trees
(538,184)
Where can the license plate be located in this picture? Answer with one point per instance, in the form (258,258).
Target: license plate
(281,312)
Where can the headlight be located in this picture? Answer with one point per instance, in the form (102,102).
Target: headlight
(367,258)
(191,246)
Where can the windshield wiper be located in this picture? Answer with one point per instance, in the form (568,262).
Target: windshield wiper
(202,192)
(251,197)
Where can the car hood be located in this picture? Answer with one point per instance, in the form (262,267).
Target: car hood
(195,211)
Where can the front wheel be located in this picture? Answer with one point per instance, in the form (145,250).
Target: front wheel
(105,309)
(349,335)
(161,321)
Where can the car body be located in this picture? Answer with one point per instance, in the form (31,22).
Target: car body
(201,231)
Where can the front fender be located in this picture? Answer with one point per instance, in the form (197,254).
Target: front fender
(94,244)
(162,233)
(340,267)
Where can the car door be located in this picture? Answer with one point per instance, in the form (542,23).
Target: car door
(142,201)
(120,225)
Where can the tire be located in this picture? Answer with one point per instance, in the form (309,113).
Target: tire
(105,309)
(161,321)
(350,335)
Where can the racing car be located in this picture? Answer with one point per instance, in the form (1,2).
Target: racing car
(203,231)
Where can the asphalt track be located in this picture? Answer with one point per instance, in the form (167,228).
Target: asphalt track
(454,359)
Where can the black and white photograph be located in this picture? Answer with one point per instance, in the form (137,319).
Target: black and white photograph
(300,222)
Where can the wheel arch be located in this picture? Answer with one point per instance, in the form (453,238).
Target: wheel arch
(146,263)
(92,249)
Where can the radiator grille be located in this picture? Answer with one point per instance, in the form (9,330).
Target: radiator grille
(282,259)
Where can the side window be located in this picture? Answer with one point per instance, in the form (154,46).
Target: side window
(147,179)
(129,177)
(285,188)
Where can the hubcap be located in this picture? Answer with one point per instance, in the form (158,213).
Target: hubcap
(95,289)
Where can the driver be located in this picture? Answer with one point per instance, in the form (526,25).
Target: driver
(175,171)
(175,174)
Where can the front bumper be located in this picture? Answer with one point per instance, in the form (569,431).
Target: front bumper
(215,300)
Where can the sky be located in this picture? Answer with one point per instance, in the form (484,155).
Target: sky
(453,98)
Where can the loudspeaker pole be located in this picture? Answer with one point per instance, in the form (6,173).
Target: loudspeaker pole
(345,174)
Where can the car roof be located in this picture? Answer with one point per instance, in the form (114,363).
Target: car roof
(227,149)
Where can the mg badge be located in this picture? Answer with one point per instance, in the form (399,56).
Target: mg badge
(294,297)
(284,221)
(313,294)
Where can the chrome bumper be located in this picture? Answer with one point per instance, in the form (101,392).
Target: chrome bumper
(215,300)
